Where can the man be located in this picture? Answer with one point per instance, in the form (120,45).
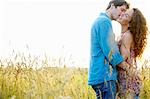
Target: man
(105,55)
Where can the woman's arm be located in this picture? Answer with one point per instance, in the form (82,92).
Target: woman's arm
(126,42)
(125,46)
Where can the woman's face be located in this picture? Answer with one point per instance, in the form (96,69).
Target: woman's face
(125,18)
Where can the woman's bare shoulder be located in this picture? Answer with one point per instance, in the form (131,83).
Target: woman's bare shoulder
(127,39)
(128,35)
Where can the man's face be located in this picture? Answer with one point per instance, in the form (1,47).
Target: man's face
(116,12)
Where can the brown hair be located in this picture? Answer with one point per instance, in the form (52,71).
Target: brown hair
(139,30)
(117,3)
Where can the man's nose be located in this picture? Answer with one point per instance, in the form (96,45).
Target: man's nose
(122,14)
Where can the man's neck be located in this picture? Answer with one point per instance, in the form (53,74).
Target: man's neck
(109,14)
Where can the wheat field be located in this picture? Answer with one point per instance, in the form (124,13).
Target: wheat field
(19,79)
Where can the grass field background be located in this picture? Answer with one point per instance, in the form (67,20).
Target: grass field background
(20,79)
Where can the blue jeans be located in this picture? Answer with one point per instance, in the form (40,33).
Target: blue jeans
(106,90)
(137,97)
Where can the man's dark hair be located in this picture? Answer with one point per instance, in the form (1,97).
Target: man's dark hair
(118,3)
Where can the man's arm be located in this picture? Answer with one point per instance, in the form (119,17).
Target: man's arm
(108,45)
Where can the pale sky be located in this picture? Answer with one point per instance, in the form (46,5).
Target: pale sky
(55,27)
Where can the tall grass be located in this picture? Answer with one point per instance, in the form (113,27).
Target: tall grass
(20,78)
(145,93)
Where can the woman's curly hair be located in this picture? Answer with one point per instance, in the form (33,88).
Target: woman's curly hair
(139,30)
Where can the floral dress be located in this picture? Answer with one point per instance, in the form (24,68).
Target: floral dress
(129,83)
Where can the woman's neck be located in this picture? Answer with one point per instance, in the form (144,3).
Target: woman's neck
(124,28)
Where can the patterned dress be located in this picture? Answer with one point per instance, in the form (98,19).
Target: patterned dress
(129,83)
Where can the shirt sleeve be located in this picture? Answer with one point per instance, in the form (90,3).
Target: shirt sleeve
(106,39)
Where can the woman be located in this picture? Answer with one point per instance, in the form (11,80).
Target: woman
(131,44)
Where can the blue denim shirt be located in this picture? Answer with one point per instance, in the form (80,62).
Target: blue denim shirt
(105,55)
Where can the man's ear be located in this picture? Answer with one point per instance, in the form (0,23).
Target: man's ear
(112,5)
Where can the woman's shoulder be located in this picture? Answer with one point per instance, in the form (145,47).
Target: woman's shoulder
(128,36)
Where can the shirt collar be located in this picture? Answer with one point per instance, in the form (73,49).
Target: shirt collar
(104,14)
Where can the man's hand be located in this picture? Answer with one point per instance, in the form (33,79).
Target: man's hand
(131,71)
(124,65)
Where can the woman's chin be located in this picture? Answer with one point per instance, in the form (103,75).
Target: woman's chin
(118,21)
